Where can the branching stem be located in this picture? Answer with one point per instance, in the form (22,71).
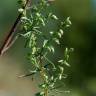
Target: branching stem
(9,37)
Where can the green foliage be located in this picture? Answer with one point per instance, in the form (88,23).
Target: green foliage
(41,44)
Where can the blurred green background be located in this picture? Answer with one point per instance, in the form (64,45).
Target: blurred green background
(81,80)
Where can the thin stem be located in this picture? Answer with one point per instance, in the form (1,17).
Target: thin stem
(42,73)
(9,37)
(50,62)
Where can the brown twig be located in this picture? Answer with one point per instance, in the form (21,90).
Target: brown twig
(9,37)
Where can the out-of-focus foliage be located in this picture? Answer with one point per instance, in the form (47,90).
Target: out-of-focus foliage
(82,75)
